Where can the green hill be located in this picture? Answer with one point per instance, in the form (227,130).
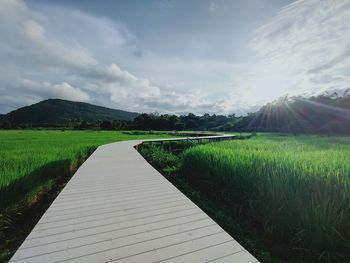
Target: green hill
(57,112)
(321,114)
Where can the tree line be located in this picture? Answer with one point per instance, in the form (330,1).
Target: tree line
(327,113)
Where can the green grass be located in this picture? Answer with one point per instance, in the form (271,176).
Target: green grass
(34,166)
(169,164)
(294,190)
(33,156)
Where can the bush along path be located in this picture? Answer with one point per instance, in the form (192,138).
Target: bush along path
(170,164)
(294,190)
(282,197)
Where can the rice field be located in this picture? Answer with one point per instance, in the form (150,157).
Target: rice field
(29,159)
(294,190)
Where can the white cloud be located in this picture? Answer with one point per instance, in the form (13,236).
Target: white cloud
(121,80)
(44,90)
(125,89)
(67,53)
(212,6)
(55,52)
(25,43)
(197,102)
(303,49)
(41,50)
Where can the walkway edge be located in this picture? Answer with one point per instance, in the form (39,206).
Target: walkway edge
(118,208)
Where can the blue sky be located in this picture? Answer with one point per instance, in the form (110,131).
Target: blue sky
(215,56)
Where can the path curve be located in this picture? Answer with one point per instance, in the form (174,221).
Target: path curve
(118,208)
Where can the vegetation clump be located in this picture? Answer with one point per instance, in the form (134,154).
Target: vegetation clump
(169,163)
(293,190)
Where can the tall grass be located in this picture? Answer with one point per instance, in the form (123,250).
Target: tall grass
(30,158)
(34,166)
(295,189)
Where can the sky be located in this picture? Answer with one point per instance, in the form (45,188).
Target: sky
(172,56)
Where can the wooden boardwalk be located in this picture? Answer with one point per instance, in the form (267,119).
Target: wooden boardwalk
(118,208)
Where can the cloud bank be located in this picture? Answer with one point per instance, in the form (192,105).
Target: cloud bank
(37,64)
(304,49)
(49,51)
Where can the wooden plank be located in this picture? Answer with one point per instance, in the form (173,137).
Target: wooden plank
(118,208)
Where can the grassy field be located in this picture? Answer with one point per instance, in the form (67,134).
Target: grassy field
(291,192)
(29,157)
(294,190)
(34,166)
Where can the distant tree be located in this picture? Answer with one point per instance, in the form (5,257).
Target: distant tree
(106,125)
(191,121)
(83,125)
(118,125)
(232,117)
(7,125)
(326,113)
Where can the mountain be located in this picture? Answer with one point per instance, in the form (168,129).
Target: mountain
(321,114)
(60,112)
